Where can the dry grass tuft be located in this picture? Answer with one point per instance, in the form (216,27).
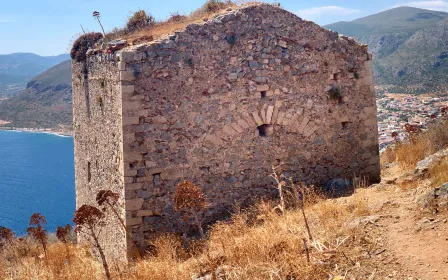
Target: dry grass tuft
(175,23)
(439,174)
(255,244)
(407,154)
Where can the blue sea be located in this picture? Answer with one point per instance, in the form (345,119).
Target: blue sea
(36,175)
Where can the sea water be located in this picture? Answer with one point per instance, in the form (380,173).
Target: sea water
(36,176)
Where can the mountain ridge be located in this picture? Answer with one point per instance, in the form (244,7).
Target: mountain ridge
(17,69)
(394,33)
(45,103)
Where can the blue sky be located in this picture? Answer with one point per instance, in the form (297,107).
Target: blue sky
(46,27)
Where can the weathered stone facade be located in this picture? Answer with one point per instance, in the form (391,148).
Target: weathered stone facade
(218,104)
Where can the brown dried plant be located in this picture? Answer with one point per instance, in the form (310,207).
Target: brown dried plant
(190,200)
(62,233)
(280,185)
(138,20)
(97,16)
(6,236)
(108,199)
(89,220)
(37,231)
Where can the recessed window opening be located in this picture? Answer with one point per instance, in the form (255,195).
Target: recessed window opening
(265,130)
(263,94)
(345,125)
(336,76)
(89,172)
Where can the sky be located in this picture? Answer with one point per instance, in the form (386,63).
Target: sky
(47,27)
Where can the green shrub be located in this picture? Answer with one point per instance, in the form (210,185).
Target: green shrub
(82,44)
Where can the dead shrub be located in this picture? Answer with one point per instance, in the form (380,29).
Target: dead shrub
(190,200)
(422,145)
(439,173)
(138,20)
(212,6)
(82,45)
(37,231)
(176,17)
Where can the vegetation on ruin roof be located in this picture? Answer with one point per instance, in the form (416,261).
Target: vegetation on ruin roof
(157,29)
(142,27)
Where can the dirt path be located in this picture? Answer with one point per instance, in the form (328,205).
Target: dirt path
(416,242)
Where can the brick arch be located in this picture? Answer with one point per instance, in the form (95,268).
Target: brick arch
(296,120)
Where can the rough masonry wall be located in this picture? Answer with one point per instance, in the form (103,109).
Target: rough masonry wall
(97,124)
(219,103)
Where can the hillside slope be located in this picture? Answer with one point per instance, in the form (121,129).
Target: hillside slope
(409,45)
(45,103)
(17,69)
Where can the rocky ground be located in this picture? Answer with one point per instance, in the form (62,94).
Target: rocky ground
(410,234)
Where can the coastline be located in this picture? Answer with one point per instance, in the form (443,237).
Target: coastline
(39,130)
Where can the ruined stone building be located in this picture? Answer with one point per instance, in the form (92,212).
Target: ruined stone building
(218,104)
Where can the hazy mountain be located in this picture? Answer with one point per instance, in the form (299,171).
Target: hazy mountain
(410,45)
(46,102)
(17,69)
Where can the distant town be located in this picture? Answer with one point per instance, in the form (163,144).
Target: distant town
(395,110)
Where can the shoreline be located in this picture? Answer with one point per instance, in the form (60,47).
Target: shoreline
(36,130)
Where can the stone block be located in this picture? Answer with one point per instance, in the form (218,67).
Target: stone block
(134,204)
(130,173)
(374,160)
(269,113)
(242,123)
(222,135)
(130,55)
(131,106)
(127,89)
(303,124)
(134,221)
(257,118)
(263,87)
(293,119)
(371,122)
(238,128)
(134,186)
(128,180)
(131,120)
(250,120)
(214,140)
(145,213)
(229,130)
(282,44)
(171,173)
(127,76)
(286,119)
(153,171)
(263,115)
(131,157)
(121,65)
(145,179)
(281,115)
(275,115)
(150,164)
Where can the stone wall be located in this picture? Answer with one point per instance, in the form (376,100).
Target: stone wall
(220,103)
(97,127)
